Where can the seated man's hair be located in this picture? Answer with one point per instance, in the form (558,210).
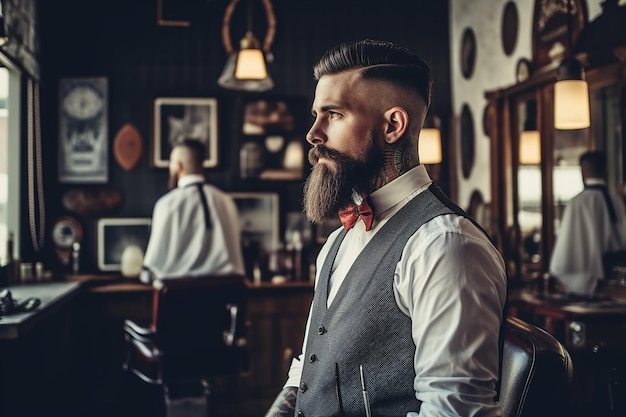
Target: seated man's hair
(197,148)
(594,162)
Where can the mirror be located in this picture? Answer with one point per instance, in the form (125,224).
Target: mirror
(529,184)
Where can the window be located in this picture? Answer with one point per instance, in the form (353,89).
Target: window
(9,157)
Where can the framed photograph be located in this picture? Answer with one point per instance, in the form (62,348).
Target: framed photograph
(273,138)
(83,130)
(115,234)
(176,119)
(259,214)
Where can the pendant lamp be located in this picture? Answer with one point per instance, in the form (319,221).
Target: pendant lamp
(246,68)
(571,92)
(530,138)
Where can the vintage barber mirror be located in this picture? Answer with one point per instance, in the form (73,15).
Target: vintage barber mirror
(566,177)
(606,130)
(529,183)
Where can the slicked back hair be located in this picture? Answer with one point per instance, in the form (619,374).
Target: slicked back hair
(380,60)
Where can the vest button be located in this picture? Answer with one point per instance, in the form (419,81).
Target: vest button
(321,330)
(300,413)
(303,387)
(313,358)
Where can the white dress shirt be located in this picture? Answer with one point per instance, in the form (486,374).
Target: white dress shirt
(451,282)
(586,232)
(181,245)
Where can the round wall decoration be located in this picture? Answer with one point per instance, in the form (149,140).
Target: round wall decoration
(468,52)
(467,141)
(510,24)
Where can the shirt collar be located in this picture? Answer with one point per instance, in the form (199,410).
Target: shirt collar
(595,181)
(403,188)
(190,179)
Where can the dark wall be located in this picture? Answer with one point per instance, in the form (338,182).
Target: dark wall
(120,40)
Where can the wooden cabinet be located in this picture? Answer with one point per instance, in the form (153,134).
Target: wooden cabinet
(276,315)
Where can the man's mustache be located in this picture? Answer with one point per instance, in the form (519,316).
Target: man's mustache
(320,151)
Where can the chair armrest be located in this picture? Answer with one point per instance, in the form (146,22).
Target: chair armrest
(134,331)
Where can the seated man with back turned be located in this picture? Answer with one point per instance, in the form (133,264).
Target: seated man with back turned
(594,222)
(409,291)
(195,226)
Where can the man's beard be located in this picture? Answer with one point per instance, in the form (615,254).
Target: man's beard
(329,188)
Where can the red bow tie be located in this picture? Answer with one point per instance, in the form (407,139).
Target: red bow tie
(351,214)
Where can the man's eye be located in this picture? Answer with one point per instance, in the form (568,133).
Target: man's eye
(333,114)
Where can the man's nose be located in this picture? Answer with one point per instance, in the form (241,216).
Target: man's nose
(315,136)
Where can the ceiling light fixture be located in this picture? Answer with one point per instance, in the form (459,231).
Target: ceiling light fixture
(571,92)
(246,68)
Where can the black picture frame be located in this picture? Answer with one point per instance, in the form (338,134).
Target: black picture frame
(114,234)
(178,118)
(259,218)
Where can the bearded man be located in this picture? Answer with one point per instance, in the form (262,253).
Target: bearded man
(410,293)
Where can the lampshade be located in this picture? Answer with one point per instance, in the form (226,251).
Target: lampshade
(429,145)
(246,68)
(571,104)
(571,92)
(250,65)
(530,147)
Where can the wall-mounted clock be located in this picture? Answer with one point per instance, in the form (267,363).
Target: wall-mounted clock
(65,232)
(83,102)
(523,70)
(83,130)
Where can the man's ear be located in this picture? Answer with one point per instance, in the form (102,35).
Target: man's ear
(397,123)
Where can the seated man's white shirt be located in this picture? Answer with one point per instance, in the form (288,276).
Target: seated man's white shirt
(180,245)
(443,294)
(585,234)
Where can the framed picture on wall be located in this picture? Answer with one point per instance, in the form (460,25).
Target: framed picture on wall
(83,130)
(259,217)
(178,118)
(272,144)
(115,234)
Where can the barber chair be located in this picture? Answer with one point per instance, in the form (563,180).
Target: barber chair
(536,372)
(197,333)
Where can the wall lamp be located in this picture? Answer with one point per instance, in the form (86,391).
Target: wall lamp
(246,68)
(429,142)
(530,138)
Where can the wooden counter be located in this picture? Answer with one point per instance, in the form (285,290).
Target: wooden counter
(578,323)
(53,296)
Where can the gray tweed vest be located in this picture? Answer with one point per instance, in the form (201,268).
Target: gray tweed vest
(364,326)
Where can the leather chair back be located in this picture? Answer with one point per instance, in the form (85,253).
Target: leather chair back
(536,372)
(197,330)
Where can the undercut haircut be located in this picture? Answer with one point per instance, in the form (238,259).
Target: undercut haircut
(380,60)
(198,151)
